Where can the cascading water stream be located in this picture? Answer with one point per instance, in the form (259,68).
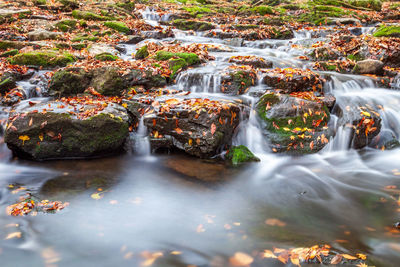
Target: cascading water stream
(142,142)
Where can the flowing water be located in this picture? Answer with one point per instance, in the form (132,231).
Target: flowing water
(200,213)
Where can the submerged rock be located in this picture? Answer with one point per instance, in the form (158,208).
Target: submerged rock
(240,154)
(79,128)
(293,124)
(200,127)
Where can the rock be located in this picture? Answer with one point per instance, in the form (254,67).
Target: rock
(66,25)
(237,82)
(41,34)
(69,82)
(369,66)
(186,25)
(134,39)
(4,12)
(118,26)
(106,57)
(99,48)
(240,154)
(105,80)
(324,53)
(294,125)
(272,32)
(365,125)
(157,34)
(7,82)
(254,61)
(142,52)
(60,130)
(357,31)
(238,42)
(200,127)
(42,59)
(86,15)
(293,80)
(345,21)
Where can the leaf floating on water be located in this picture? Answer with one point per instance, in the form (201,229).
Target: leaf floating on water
(13,235)
(241,259)
(349,257)
(275,222)
(150,257)
(337,259)
(97,196)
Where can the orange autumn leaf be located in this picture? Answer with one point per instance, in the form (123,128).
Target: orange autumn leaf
(213,128)
(349,257)
(178,130)
(24,138)
(275,222)
(241,259)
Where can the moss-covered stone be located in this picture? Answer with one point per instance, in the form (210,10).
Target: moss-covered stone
(7,81)
(190,58)
(82,38)
(42,59)
(118,26)
(142,53)
(263,10)
(65,136)
(240,154)
(106,57)
(388,31)
(66,25)
(186,25)
(9,53)
(69,82)
(4,45)
(40,2)
(176,65)
(89,16)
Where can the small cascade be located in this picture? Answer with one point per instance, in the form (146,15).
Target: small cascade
(199,81)
(250,133)
(152,17)
(35,86)
(396,82)
(142,142)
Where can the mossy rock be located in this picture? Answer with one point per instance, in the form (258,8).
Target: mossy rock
(263,10)
(142,53)
(106,57)
(77,14)
(40,2)
(118,26)
(176,65)
(69,82)
(186,25)
(7,82)
(66,25)
(83,38)
(294,125)
(240,154)
(388,31)
(4,45)
(127,5)
(9,53)
(190,58)
(63,135)
(42,59)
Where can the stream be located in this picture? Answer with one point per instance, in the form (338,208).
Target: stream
(176,210)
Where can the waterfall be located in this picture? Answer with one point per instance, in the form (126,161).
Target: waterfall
(142,141)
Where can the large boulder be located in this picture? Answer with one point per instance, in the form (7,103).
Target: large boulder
(61,129)
(293,80)
(105,80)
(200,127)
(294,125)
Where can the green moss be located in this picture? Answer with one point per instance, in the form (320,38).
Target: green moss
(142,53)
(242,79)
(4,45)
(79,46)
(89,15)
(240,154)
(127,5)
(388,31)
(186,25)
(66,25)
(263,10)
(9,53)
(245,26)
(106,57)
(354,4)
(195,10)
(176,65)
(190,58)
(85,38)
(42,58)
(118,26)
(40,2)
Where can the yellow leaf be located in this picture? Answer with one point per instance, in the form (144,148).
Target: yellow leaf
(13,235)
(366,113)
(96,196)
(269,254)
(24,138)
(190,142)
(286,129)
(124,105)
(41,137)
(349,257)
